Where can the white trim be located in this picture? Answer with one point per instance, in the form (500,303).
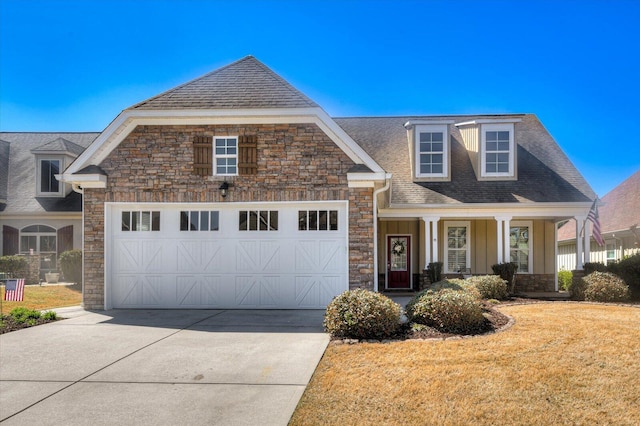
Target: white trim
(488,121)
(85,180)
(365,180)
(409,124)
(456,224)
(61,165)
(488,210)
(497,127)
(214,163)
(376,265)
(528,224)
(128,120)
(432,128)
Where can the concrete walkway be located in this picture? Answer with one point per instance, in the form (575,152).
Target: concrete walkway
(217,367)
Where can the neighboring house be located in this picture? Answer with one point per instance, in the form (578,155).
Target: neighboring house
(38,214)
(235,190)
(619,214)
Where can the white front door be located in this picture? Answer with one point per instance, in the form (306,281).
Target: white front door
(243,256)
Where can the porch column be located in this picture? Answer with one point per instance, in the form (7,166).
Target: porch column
(502,237)
(587,241)
(579,224)
(430,239)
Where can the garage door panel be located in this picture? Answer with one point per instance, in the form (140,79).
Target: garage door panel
(258,291)
(319,256)
(141,291)
(258,256)
(199,291)
(313,290)
(199,256)
(134,256)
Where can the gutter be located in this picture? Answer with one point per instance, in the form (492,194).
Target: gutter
(387,179)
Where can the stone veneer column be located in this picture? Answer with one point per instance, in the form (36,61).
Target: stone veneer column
(361,238)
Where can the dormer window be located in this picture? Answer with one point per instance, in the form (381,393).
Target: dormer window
(47,184)
(497,150)
(431,151)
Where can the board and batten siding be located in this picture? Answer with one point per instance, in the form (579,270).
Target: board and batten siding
(624,247)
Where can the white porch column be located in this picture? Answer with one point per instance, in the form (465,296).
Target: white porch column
(430,239)
(502,237)
(507,240)
(587,241)
(579,224)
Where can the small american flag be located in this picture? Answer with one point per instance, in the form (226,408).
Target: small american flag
(595,219)
(14,290)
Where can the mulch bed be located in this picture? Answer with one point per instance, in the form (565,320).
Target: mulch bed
(8,324)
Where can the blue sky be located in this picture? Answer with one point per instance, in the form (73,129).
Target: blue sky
(73,65)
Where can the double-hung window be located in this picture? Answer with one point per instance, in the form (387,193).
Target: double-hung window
(225,156)
(457,256)
(47,184)
(498,150)
(521,245)
(431,156)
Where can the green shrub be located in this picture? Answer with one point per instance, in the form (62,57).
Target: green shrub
(564,279)
(71,265)
(22,315)
(629,270)
(456,284)
(507,272)
(362,314)
(434,271)
(448,310)
(577,289)
(490,286)
(13,265)
(590,267)
(50,316)
(605,287)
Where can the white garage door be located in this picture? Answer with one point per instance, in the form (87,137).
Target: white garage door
(263,256)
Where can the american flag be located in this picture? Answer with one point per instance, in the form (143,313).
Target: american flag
(14,290)
(595,219)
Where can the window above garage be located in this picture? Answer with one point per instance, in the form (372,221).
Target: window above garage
(225,155)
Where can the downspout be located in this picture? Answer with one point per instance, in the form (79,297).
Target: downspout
(77,188)
(386,186)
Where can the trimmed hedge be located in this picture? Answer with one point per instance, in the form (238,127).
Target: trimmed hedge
(362,314)
(490,286)
(448,310)
(605,287)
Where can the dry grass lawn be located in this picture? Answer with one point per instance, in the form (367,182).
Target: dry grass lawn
(561,363)
(45,297)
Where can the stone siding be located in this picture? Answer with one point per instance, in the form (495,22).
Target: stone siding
(296,162)
(535,283)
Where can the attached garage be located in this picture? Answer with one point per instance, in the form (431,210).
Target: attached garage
(225,255)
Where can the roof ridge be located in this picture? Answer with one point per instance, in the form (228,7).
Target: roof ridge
(173,89)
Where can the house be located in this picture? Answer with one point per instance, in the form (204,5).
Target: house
(619,214)
(38,214)
(235,190)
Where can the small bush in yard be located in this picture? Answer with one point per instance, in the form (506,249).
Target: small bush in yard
(451,311)
(455,284)
(362,314)
(24,315)
(71,264)
(576,291)
(629,270)
(564,279)
(605,287)
(490,286)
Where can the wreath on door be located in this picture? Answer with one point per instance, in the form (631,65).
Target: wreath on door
(398,247)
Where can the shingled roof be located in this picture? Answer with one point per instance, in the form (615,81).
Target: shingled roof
(545,173)
(619,209)
(21,170)
(4,169)
(246,83)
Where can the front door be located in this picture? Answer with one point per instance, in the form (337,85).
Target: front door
(398,261)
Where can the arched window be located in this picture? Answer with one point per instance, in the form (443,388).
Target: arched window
(43,240)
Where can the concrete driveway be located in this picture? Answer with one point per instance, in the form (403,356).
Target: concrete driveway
(222,367)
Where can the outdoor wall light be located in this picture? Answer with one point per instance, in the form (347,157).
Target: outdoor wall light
(224,189)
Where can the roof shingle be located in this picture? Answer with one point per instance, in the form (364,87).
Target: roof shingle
(244,84)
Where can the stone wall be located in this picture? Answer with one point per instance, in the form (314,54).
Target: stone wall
(296,162)
(533,283)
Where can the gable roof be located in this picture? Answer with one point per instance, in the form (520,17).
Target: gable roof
(619,209)
(545,173)
(244,92)
(60,145)
(21,171)
(246,83)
